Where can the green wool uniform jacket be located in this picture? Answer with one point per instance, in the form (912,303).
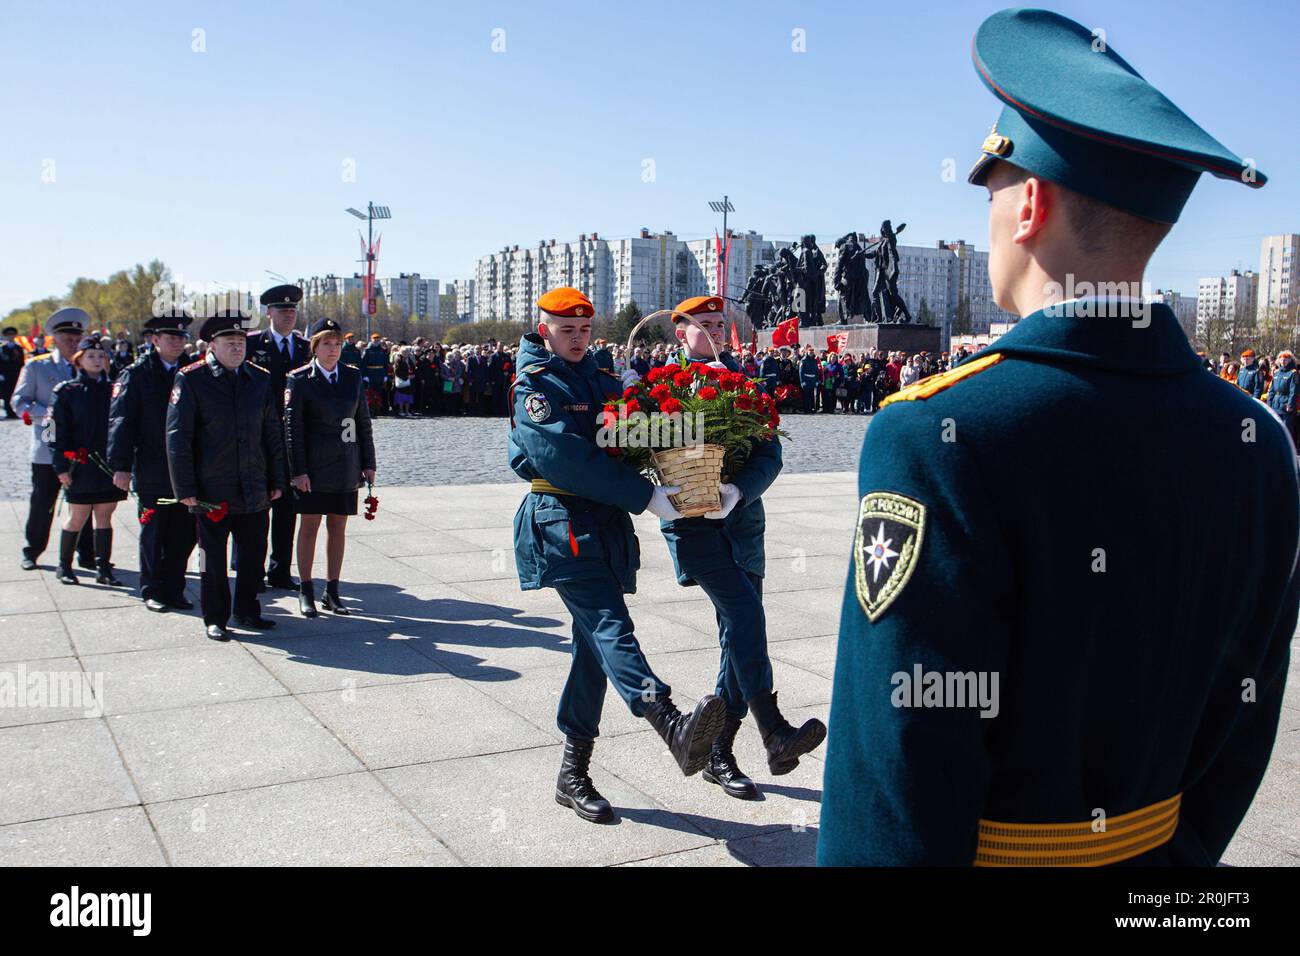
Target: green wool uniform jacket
(1083,512)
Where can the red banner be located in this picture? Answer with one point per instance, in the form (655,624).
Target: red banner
(837,343)
(735,339)
(787,332)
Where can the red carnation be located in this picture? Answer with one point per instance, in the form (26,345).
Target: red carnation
(655,374)
(744,403)
(27,418)
(708,392)
(611,407)
(609,418)
(731,381)
(711,373)
(82,456)
(632,406)
(699,368)
(629,392)
(370,516)
(146,516)
(70,455)
(671,406)
(683,379)
(219,512)
(661,393)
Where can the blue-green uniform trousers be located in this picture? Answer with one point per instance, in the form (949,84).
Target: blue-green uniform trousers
(745,669)
(573,531)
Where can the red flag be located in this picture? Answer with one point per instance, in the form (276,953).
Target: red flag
(787,332)
(834,343)
(735,339)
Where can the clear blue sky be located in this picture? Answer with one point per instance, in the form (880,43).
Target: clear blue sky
(229,162)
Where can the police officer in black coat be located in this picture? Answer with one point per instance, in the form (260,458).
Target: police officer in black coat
(137,448)
(279,349)
(76,431)
(11,363)
(330,450)
(225,452)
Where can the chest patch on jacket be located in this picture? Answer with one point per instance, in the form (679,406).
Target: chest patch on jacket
(886,546)
(538,407)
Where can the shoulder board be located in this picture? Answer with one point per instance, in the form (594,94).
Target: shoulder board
(533,368)
(193,365)
(610,372)
(254,365)
(44,356)
(935,384)
(301,368)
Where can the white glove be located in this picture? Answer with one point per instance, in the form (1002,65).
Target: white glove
(629,377)
(660,506)
(730,498)
(717,364)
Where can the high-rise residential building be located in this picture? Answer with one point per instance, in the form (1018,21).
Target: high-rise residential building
(508,283)
(462,293)
(1279,278)
(1232,298)
(411,294)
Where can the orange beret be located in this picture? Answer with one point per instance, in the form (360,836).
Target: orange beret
(699,305)
(566,302)
(1249,353)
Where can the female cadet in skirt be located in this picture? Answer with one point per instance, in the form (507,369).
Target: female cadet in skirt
(78,440)
(330,448)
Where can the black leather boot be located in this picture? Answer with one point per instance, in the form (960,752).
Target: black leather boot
(307,598)
(688,736)
(573,788)
(67,548)
(722,768)
(331,601)
(785,745)
(103,552)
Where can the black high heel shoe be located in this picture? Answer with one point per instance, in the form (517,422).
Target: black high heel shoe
(332,602)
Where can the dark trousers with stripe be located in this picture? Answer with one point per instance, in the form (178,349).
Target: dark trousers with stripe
(249,533)
(745,669)
(166,543)
(604,647)
(40,516)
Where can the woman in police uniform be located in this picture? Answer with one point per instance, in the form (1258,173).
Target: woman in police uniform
(78,441)
(330,449)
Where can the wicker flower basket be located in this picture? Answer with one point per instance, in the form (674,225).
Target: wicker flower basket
(697,470)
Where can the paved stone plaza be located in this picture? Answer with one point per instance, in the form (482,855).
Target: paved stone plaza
(421,729)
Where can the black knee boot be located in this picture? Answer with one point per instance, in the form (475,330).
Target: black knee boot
(307,598)
(103,552)
(722,768)
(331,601)
(688,736)
(67,548)
(574,788)
(785,745)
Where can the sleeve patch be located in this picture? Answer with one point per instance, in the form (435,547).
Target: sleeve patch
(886,545)
(538,407)
(176,393)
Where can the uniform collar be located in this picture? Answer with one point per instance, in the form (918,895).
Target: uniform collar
(533,352)
(318,369)
(217,369)
(1080,331)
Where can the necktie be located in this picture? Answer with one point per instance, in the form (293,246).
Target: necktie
(284,351)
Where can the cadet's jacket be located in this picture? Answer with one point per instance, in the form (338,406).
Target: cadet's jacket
(808,372)
(705,544)
(35,392)
(327,433)
(1250,381)
(1042,515)
(1282,392)
(263,353)
(770,370)
(224,437)
(374,366)
(137,428)
(78,418)
(584,532)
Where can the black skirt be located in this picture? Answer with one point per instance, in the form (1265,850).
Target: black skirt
(325,502)
(95,497)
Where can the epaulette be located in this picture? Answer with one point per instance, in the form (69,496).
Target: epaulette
(256,366)
(610,372)
(934,384)
(302,368)
(193,365)
(533,368)
(42,357)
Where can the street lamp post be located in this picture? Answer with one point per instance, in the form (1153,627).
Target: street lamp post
(724,246)
(372,213)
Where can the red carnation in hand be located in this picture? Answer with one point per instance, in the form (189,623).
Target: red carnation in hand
(70,455)
(369,516)
(146,516)
(683,379)
(27,418)
(708,392)
(219,512)
(82,456)
(671,405)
